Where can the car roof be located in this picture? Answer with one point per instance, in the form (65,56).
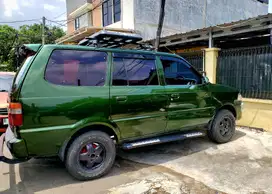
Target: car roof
(75,47)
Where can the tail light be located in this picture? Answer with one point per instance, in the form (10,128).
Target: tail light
(15,114)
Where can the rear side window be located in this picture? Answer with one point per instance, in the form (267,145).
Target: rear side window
(134,70)
(77,68)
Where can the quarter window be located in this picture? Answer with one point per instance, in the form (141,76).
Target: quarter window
(178,72)
(76,68)
(134,71)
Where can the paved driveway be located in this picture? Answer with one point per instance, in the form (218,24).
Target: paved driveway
(192,166)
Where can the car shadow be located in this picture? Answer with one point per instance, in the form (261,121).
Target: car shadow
(44,174)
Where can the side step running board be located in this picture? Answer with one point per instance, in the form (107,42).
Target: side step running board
(162,139)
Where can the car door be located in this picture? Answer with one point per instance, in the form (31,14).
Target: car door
(137,100)
(189,102)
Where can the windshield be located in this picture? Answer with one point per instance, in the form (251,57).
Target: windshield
(6,82)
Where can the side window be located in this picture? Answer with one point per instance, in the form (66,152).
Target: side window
(178,72)
(134,71)
(77,68)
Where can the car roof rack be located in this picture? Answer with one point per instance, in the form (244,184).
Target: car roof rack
(112,39)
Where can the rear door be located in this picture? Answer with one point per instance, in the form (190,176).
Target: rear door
(137,100)
(189,102)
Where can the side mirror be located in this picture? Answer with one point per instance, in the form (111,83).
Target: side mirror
(203,73)
(206,79)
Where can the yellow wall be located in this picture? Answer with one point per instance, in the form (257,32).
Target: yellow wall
(257,114)
(211,55)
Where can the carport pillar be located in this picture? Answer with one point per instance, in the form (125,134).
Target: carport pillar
(211,55)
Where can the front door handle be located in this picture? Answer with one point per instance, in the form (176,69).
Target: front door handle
(121,98)
(175,96)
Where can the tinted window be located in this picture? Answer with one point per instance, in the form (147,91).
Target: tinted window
(134,71)
(77,68)
(178,72)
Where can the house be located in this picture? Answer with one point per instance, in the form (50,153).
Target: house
(85,17)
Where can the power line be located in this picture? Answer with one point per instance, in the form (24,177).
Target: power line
(19,21)
(56,23)
(59,15)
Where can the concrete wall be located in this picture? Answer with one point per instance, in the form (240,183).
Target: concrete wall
(127,8)
(186,15)
(97,15)
(257,114)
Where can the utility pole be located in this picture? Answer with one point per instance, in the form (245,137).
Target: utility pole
(161,18)
(205,14)
(43,30)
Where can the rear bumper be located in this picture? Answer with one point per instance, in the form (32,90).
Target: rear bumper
(16,146)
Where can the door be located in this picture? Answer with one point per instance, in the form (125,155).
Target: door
(137,100)
(188,106)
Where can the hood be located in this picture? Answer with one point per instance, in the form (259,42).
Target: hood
(3,99)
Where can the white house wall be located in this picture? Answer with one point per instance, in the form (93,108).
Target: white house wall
(186,15)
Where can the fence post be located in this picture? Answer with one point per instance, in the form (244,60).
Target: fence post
(211,55)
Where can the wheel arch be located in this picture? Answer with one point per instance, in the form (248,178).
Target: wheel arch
(112,131)
(228,107)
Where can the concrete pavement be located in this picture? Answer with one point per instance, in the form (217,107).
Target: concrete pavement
(191,166)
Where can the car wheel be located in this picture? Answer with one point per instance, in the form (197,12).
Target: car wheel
(223,127)
(90,156)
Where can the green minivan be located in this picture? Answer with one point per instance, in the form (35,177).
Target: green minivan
(81,103)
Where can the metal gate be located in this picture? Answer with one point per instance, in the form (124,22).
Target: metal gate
(195,59)
(247,69)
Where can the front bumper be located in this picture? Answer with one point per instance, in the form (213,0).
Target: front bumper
(238,107)
(16,146)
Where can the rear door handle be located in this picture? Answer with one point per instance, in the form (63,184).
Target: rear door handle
(121,98)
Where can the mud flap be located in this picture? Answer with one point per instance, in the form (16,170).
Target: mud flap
(5,159)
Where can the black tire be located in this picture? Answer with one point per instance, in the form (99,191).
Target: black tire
(75,166)
(218,131)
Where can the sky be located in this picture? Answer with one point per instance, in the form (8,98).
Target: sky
(13,10)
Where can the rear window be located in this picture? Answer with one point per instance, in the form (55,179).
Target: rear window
(77,68)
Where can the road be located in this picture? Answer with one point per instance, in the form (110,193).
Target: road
(191,166)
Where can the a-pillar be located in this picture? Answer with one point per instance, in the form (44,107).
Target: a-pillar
(211,55)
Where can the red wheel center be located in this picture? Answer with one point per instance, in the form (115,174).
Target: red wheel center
(84,149)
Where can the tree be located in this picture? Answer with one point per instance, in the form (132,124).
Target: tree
(33,34)
(26,34)
(8,36)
